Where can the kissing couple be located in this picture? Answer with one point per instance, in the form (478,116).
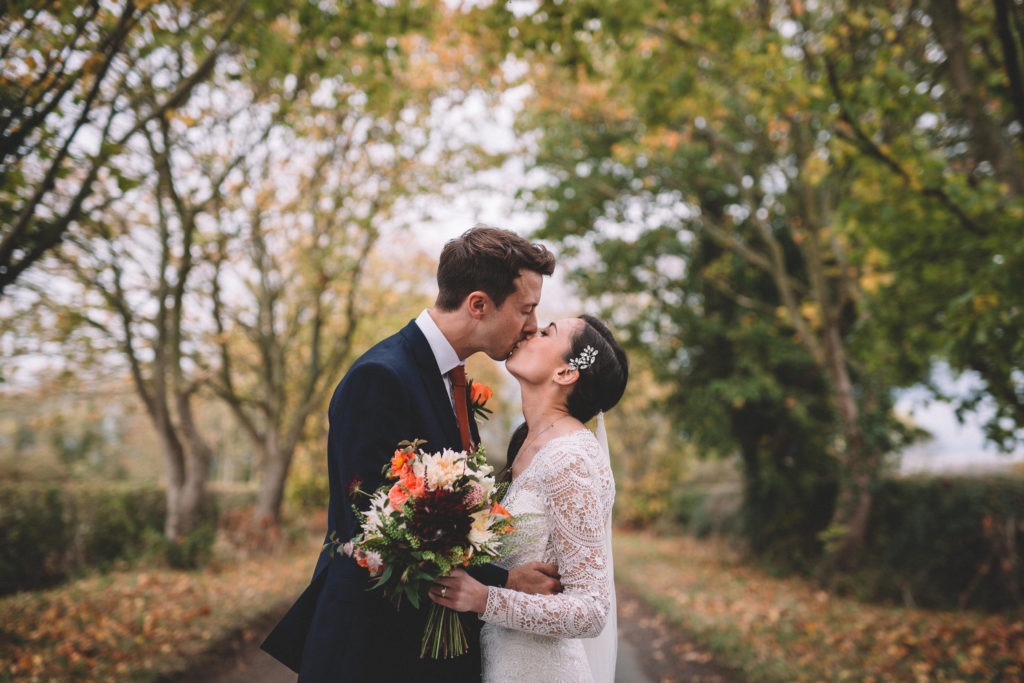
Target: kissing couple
(546,610)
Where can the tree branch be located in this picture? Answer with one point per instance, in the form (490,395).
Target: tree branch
(1011,59)
(863,141)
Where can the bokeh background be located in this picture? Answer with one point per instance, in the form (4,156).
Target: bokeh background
(805,220)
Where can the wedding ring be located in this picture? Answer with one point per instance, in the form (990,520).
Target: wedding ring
(444,590)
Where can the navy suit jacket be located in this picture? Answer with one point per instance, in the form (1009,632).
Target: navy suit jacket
(338,630)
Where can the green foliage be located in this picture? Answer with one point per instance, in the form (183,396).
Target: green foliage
(33,538)
(648,460)
(112,522)
(192,551)
(693,171)
(946,542)
(934,542)
(48,534)
(796,207)
(709,510)
(930,113)
(307,489)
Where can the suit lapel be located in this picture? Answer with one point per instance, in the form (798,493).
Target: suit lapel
(433,384)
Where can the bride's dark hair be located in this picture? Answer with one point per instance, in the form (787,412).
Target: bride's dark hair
(600,385)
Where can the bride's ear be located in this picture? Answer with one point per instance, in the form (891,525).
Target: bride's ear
(566,376)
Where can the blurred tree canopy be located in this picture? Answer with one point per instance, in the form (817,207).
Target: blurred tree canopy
(928,100)
(221,245)
(81,80)
(796,207)
(72,98)
(792,208)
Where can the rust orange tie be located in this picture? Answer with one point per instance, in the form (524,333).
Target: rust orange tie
(458,375)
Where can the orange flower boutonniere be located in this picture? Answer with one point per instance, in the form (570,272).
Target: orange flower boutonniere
(479,395)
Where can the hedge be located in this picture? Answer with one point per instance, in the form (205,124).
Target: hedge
(938,542)
(946,542)
(50,533)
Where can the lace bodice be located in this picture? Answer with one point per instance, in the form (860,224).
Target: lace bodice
(562,502)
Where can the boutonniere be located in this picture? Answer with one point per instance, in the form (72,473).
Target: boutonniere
(479,395)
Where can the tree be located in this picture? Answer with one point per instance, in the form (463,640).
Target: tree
(930,100)
(290,265)
(138,253)
(136,262)
(70,102)
(232,251)
(701,139)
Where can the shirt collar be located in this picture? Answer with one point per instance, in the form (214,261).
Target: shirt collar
(442,349)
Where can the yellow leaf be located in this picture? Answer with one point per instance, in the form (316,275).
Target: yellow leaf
(815,169)
(811,311)
(985,302)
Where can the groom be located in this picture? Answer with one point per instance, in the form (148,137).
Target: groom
(489,285)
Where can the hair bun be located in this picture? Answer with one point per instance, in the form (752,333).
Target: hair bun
(602,382)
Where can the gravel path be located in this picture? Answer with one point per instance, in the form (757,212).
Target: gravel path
(650,651)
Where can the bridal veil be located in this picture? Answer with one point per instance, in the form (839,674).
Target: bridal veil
(602,650)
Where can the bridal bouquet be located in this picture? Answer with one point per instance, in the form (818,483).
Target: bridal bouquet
(440,513)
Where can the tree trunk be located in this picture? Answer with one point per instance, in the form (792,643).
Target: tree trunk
(186,494)
(853,507)
(188,466)
(986,138)
(177,521)
(277,462)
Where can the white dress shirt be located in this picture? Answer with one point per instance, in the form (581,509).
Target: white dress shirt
(442,349)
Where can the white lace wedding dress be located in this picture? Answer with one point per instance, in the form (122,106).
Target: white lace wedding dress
(562,504)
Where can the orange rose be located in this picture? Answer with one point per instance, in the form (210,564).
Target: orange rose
(480,393)
(398,495)
(408,486)
(415,485)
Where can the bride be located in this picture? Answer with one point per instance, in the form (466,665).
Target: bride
(561,495)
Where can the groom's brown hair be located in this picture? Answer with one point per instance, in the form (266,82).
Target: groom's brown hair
(489,260)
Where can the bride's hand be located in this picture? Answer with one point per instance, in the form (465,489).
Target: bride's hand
(459,591)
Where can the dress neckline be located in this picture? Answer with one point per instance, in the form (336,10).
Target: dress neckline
(541,449)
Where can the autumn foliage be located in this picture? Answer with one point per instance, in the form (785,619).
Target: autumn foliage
(790,630)
(137,625)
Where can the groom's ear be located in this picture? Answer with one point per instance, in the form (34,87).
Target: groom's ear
(477,303)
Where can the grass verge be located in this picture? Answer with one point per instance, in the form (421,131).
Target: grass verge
(786,629)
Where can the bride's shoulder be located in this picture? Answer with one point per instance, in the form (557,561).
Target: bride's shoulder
(578,440)
(574,448)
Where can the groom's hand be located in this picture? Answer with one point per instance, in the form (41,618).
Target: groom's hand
(535,577)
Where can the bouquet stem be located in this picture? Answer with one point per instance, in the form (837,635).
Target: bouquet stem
(443,637)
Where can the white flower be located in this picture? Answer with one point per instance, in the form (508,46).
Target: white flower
(479,533)
(379,506)
(440,470)
(487,484)
(374,562)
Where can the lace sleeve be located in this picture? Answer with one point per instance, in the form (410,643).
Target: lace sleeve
(577,501)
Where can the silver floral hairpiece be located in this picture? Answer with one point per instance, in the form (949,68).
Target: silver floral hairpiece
(584,360)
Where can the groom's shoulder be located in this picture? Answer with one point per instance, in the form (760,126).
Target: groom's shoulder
(392,352)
